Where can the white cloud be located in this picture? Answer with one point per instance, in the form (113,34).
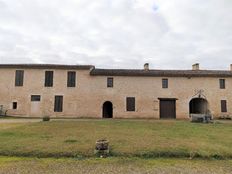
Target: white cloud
(119,34)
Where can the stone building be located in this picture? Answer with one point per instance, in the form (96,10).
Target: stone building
(83,91)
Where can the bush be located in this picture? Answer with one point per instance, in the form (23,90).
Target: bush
(46,118)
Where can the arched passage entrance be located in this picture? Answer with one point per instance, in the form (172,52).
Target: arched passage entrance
(107,110)
(198,106)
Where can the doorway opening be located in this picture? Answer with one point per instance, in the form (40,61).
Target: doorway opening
(107,110)
(198,106)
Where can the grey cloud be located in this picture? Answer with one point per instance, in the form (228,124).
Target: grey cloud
(117,34)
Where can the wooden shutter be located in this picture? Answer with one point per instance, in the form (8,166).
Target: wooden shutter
(110,82)
(223,106)
(58,104)
(71,82)
(130,103)
(19,74)
(48,78)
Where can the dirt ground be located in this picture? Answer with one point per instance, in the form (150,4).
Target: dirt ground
(12,165)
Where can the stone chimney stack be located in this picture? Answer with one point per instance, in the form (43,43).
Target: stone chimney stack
(146,66)
(196,66)
(230,67)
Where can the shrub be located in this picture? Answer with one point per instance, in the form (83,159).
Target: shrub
(46,118)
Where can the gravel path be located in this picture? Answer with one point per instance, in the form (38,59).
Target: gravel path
(19,120)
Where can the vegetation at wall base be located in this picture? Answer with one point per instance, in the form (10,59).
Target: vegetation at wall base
(46,118)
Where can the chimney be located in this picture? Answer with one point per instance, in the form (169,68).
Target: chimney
(230,67)
(196,66)
(146,66)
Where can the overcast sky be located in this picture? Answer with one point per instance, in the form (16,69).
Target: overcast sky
(169,34)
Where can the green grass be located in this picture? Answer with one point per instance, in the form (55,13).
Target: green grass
(12,165)
(128,138)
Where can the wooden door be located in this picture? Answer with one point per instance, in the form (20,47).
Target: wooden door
(167,109)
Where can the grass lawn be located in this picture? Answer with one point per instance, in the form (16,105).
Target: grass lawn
(115,165)
(128,138)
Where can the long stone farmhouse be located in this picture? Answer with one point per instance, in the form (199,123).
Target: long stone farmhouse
(83,91)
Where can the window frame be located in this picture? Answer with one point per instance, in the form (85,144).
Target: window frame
(19,78)
(58,103)
(130,104)
(35,98)
(165,83)
(14,105)
(110,82)
(49,78)
(223,106)
(71,79)
(222,83)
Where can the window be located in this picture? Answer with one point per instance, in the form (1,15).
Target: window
(222,83)
(19,77)
(71,82)
(223,106)
(35,98)
(15,105)
(164,83)
(110,82)
(48,78)
(130,103)
(58,104)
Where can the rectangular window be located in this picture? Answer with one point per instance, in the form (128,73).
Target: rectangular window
(71,82)
(15,105)
(58,104)
(19,77)
(110,82)
(223,106)
(164,83)
(48,78)
(35,98)
(222,83)
(130,103)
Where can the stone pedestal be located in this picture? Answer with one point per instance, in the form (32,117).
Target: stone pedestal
(102,148)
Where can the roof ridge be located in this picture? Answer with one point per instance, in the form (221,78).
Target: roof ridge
(39,66)
(158,73)
(127,69)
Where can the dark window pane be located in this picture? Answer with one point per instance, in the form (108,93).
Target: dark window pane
(222,83)
(71,82)
(58,104)
(110,82)
(164,83)
(35,98)
(19,77)
(48,78)
(130,103)
(15,105)
(223,106)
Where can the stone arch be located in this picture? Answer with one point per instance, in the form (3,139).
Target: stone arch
(198,106)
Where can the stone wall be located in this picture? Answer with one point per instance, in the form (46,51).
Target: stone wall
(87,98)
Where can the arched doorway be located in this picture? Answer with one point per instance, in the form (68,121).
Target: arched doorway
(198,106)
(107,110)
